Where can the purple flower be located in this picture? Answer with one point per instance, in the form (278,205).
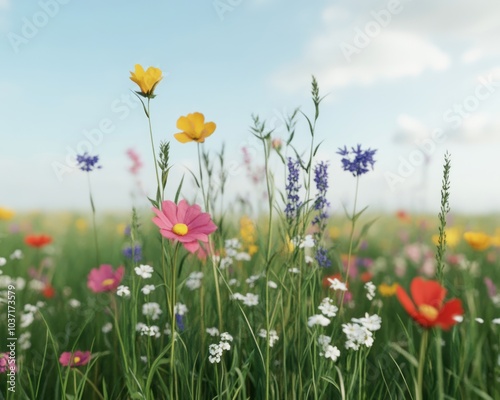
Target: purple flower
(87,163)
(321,203)
(135,252)
(322,257)
(292,189)
(357,160)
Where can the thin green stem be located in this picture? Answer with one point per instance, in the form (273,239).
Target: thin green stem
(96,242)
(439,357)
(205,198)
(351,240)
(160,192)
(421,364)
(173,292)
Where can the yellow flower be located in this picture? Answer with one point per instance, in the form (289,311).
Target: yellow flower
(81,224)
(477,240)
(334,232)
(194,128)
(6,214)
(388,290)
(248,235)
(452,237)
(147,80)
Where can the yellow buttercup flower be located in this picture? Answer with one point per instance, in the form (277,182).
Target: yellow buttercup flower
(6,214)
(334,232)
(477,240)
(194,128)
(147,80)
(388,290)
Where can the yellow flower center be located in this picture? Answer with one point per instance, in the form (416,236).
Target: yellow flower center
(107,282)
(428,312)
(76,360)
(180,229)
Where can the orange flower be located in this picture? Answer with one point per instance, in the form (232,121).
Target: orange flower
(427,307)
(37,241)
(403,216)
(388,290)
(477,240)
(194,128)
(6,214)
(366,276)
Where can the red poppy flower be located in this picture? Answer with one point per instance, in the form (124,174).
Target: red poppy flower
(366,276)
(48,291)
(37,240)
(427,307)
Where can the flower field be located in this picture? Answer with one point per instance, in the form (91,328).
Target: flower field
(190,299)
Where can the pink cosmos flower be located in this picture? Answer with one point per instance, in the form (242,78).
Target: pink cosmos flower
(184,223)
(76,359)
(7,364)
(105,279)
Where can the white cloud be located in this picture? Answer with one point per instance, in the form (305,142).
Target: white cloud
(391,55)
(410,129)
(472,55)
(478,128)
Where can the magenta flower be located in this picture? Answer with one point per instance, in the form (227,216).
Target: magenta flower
(7,364)
(68,359)
(105,279)
(184,223)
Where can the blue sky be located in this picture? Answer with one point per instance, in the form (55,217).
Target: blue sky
(397,74)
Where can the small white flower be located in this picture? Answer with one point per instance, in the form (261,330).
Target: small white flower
(40,304)
(251,299)
(324,340)
(308,259)
(123,291)
(151,310)
(29,308)
(331,352)
(212,331)
(254,278)
(294,270)
(36,285)
(273,336)
(479,320)
(225,336)
(26,320)
(370,288)
(272,284)
(180,309)
(144,359)
(147,289)
(243,256)
(24,340)
(318,319)
(107,327)
(168,329)
(496,321)
(233,282)
(3,261)
(74,303)
(16,255)
(237,296)
(335,284)
(327,308)
(144,271)
(225,262)
(194,280)
(370,322)
(20,283)
(140,326)
(458,318)
(225,346)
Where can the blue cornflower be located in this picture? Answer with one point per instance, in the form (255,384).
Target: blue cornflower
(322,257)
(135,252)
(357,160)
(321,203)
(87,163)
(179,321)
(292,189)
